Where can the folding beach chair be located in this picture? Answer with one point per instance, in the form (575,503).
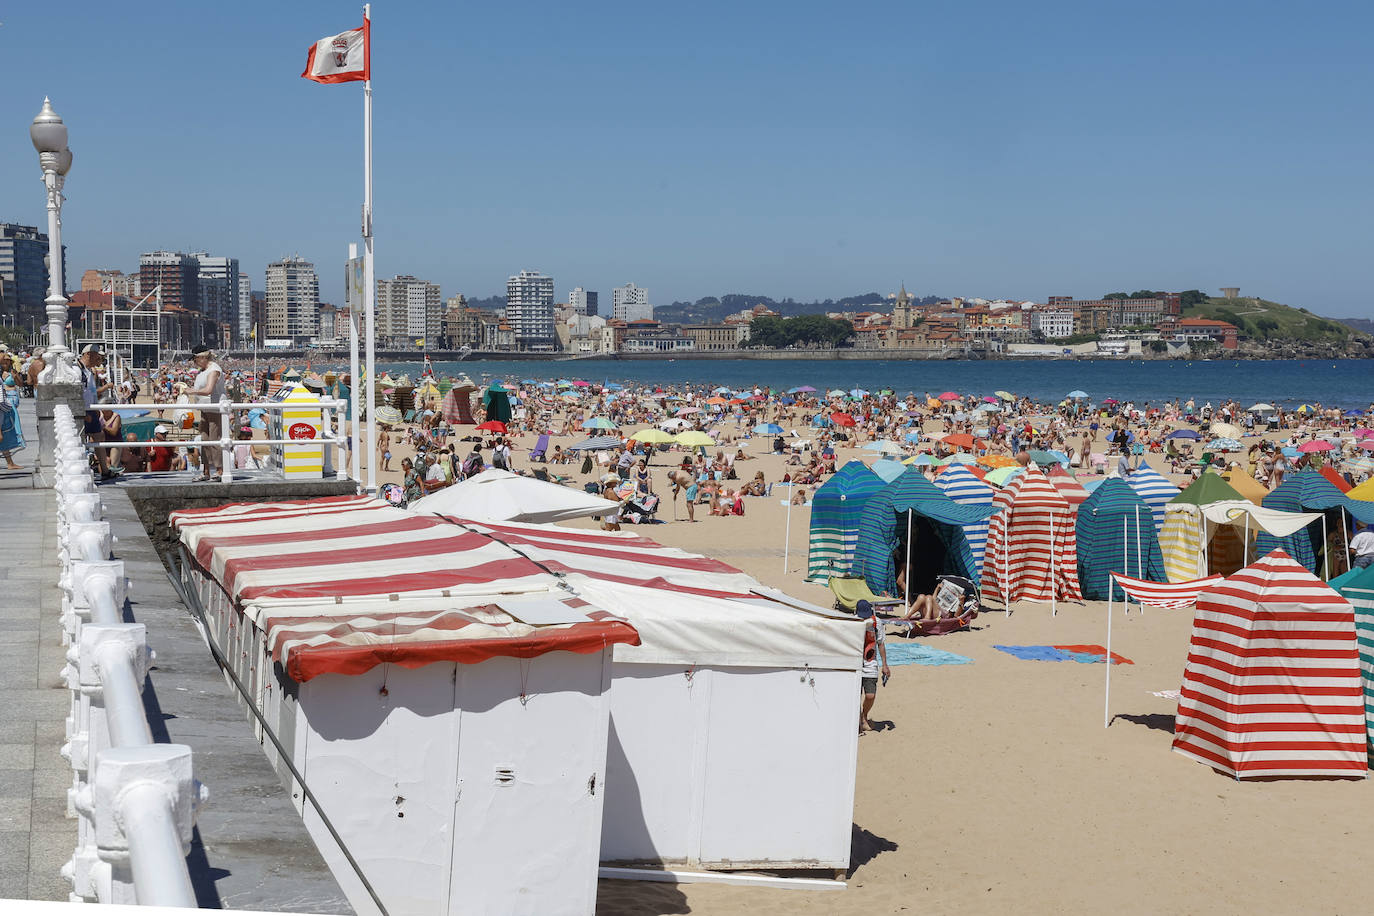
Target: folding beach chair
(850,590)
(541,447)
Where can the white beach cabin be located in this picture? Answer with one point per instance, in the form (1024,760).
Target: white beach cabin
(442,699)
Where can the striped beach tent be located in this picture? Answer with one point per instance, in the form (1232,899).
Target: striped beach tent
(1116,534)
(1272,685)
(1032,552)
(913,510)
(1357,587)
(965,487)
(1154,488)
(1067,485)
(1306,491)
(1190,546)
(836,510)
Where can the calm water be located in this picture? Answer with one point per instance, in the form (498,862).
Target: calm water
(1344,383)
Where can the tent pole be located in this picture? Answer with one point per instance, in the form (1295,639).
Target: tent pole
(1054,572)
(1006,573)
(1125,564)
(787,538)
(1326,554)
(1107,693)
(1245,544)
(1139,551)
(907,572)
(1345,537)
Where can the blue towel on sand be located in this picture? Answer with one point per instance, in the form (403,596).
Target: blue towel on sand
(1036,653)
(913,653)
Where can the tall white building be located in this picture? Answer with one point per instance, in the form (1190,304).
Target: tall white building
(631,303)
(245,309)
(529,309)
(583,301)
(408,310)
(217,281)
(293,301)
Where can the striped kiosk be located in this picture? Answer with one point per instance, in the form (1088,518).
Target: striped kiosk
(1272,684)
(303,423)
(1032,552)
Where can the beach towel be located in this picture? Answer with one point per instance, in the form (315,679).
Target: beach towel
(1086,655)
(913,653)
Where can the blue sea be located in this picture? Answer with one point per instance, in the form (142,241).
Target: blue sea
(1287,383)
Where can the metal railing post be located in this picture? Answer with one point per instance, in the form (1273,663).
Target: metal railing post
(226,441)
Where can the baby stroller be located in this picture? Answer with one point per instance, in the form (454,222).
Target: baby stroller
(640,510)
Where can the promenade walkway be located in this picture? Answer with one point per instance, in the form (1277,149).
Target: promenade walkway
(251,850)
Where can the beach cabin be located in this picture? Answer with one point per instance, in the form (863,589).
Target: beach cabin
(836,510)
(963,486)
(429,696)
(1116,533)
(734,725)
(1032,549)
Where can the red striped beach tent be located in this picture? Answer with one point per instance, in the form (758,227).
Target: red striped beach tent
(1067,485)
(1032,552)
(1272,684)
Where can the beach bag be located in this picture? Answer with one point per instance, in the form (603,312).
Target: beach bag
(587,464)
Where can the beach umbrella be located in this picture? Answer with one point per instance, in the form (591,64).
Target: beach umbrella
(958,458)
(922,460)
(1290,452)
(692,438)
(717,401)
(801,389)
(1306,408)
(596,444)
(858,393)
(768,429)
(492,426)
(1005,395)
(674,423)
(1184,434)
(998,461)
(1047,457)
(1367,444)
(389,415)
(885,447)
(989,399)
(1000,476)
(723,390)
(913,436)
(1223,444)
(1316,445)
(959,440)
(1362,433)
(684,411)
(598,423)
(1226,431)
(820,419)
(652,436)
(949,396)
(1262,408)
(1078,394)
(841,419)
(1362,465)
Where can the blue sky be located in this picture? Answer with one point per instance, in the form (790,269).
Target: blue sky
(796,149)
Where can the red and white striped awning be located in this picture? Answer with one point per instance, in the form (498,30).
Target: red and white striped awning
(619,557)
(1168,595)
(1272,686)
(346,583)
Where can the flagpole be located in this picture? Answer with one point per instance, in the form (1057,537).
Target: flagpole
(354,427)
(369,274)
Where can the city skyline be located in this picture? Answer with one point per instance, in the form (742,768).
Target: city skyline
(996,151)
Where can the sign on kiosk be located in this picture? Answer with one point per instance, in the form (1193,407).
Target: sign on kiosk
(303,424)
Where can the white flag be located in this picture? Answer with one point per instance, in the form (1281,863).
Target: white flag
(341,58)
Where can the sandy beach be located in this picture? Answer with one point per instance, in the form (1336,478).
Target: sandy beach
(993,786)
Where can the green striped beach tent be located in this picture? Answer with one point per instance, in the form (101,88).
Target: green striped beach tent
(1357,587)
(1116,533)
(836,510)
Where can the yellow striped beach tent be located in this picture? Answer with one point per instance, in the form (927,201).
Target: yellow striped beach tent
(1190,545)
(836,510)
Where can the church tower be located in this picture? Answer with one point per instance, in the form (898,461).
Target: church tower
(901,312)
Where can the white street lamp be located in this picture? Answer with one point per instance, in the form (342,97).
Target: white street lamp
(49,136)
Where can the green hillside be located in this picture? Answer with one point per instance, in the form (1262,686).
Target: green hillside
(1263,320)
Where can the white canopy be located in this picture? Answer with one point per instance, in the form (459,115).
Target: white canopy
(496,495)
(1275,521)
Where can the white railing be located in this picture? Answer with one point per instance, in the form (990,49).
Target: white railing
(225,443)
(134,801)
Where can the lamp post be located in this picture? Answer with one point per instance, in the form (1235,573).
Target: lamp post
(49,136)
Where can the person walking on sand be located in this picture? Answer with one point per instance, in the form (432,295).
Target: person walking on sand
(874,663)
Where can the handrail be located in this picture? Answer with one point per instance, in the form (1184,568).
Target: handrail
(135,799)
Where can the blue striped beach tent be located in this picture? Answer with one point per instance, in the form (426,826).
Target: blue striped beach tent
(1357,587)
(912,508)
(1306,491)
(1116,533)
(963,486)
(1155,489)
(836,509)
